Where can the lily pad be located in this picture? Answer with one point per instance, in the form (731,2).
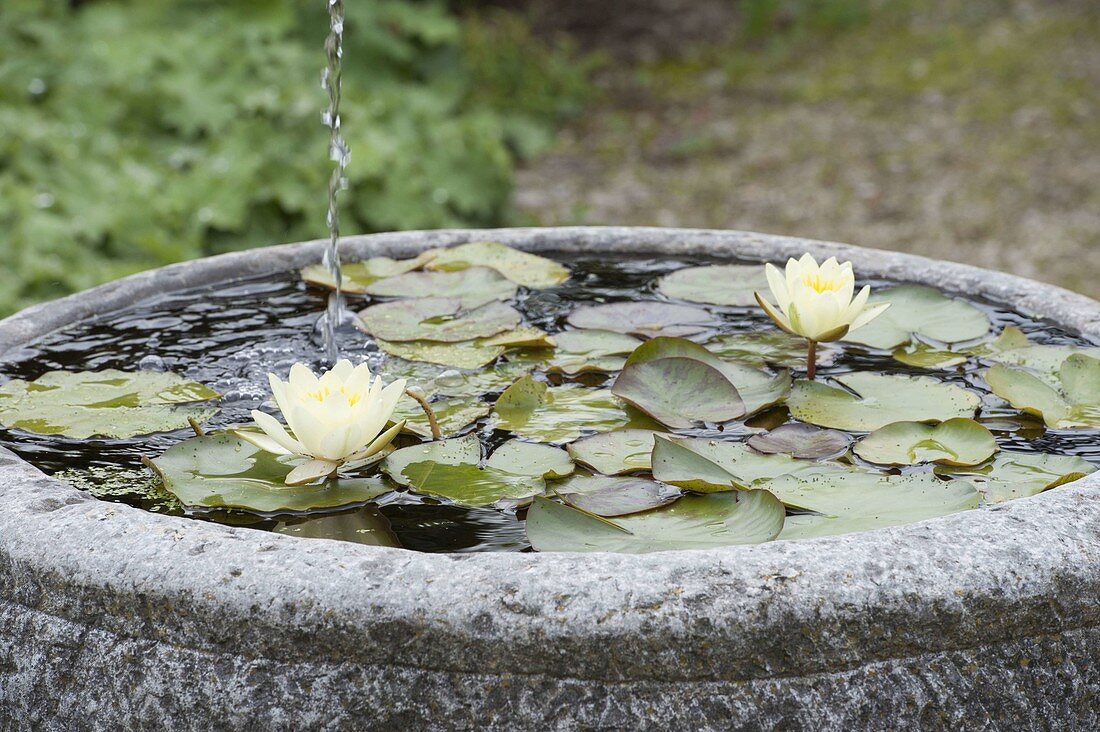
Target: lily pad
(466,354)
(615,453)
(440,319)
(559,414)
(919,310)
(708,466)
(366,526)
(109,403)
(757,389)
(472,287)
(611,496)
(357,276)
(861,502)
(580,351)
(802,441)
(957,441)
(693,522)
(717,284)
(923,356)
(863,402)
(434,379)
(453,415)
(452,470)
(1074,403)
(1020,474)
(224,471)
(679,392)
(763,347)
(528,270)
(1045,360)
(646,318)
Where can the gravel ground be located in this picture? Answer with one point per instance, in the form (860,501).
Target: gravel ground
(949,132)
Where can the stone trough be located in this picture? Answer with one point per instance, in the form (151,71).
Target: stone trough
(115,618)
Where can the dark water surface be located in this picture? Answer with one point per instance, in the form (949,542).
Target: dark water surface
(230,336)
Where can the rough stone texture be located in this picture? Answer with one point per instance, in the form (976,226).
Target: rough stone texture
(114,618)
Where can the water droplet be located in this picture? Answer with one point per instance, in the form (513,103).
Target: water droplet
(152,363)
(37,87)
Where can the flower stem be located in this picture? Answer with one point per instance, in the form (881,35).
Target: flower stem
(436,434)
(811,360)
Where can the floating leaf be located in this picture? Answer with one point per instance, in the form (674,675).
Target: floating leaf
(759,348)
(440,319)
(716,284)
(534,410)
(452,414)
(466,354)
(224,471)
(452,469)
(801,441)
(757,389)
(1020,474)
(919,310)
(705,466)
(866,401)
(528,270)
(679,392)
(1045,360)
(580,351)
(861,501)
(615,453)
(1074,403)
(693,522)
(357,276)
(957,441)
(365,526)
(109,403)
(923,356)
(434,379)
(647,318)
(472,287)
(615,495)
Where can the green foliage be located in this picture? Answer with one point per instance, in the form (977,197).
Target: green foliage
(142,133)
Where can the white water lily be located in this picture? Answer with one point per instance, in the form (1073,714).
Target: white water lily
(817,302)
(336,418)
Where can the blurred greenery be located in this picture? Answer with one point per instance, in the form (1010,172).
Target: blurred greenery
(143,132)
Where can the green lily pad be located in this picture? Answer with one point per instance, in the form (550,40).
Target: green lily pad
(472,287)
(1074,403)
(527,270)
(1020,474)
(919,310)
(440,319)
(615,453)
(802,441)
(708,466)
(109,403)
(453,414)
(366,526)
(760,348)
(451,469)
(957,441)
(646,318)
(757,389)
(580,351)
(532,409)
(862,402)
(466,354)
(716,284)
(1045,360)
(611,496)
(693,522)
(923,356)
(434,379)
(357,276)
(861,502)
(679,392)
(224,471)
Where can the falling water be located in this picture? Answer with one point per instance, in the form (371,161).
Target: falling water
(336,315)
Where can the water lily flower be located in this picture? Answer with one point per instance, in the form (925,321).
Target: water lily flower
(336,418)
(816,302)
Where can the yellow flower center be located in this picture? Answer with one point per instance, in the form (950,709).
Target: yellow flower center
(324,393)
(818,284)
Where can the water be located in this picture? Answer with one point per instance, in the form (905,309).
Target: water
(231,336)
(336,315)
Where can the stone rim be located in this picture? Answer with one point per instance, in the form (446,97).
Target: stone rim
(1013,571)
